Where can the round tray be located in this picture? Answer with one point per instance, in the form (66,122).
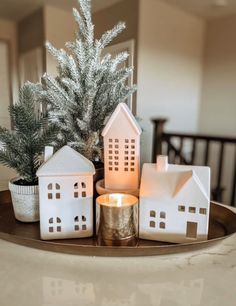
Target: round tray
(222,225)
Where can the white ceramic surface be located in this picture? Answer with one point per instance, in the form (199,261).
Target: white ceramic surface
(25,200)
(39,278)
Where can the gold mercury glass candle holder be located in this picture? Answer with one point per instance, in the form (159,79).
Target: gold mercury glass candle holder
(117,220)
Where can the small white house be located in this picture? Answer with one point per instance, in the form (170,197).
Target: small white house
(122,150)
(66,195)
(174,202)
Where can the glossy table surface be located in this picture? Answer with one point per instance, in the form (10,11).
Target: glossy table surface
(30,277)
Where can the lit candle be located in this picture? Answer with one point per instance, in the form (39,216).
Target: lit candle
(117,219)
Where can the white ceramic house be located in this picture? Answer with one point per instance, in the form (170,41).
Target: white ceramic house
(174,202)
(66,195)
(122,150)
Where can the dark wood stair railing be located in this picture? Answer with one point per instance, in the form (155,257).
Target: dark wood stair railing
(176,154)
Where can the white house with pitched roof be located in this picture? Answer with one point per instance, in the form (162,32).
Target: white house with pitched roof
(122,150)
(66,195)
(174,202)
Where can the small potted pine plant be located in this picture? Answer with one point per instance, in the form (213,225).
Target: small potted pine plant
(21,149)
(88,87)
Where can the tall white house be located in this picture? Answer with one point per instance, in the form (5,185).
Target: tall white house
(174,202)
(66,195)
(122,150)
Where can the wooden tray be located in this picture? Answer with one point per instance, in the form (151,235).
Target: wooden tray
(222,225)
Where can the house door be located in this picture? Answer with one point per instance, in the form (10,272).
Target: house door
(191,230)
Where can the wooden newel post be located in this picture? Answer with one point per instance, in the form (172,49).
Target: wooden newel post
(158,131)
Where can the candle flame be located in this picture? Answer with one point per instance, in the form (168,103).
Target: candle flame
(116,199)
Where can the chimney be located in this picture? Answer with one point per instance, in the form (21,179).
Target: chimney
(48,153)
(162,163)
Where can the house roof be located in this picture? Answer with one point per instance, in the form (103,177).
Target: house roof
(122,107)
(173,181)
(66,161)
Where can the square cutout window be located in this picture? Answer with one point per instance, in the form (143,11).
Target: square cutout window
(50,196)
(116,157)
(76,194)
(133,140)
(116,163)
(152,224)
(116,140)
(116,146)
(132,164)
(83,218)
(116,169)
(192,209)
(110,168)
(110,146)
(110,163)
(83,194)
(132,152)
(126,158)
(132,169)
(76,227)
(126,140)
(181,208)
(84,227)
(58,195)
(132,158)
(50,229)
(116,152)
(162,215)
(110,140)
(58,228)
(126,152)
(110,157)
(203,211)
(126,164)
(132,147)
(110,152)
(126,169)
(126,147)
(152,214)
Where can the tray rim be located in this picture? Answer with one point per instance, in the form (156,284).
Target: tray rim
(116,251)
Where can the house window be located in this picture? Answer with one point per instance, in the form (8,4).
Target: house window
(162,215)
(192,209)
(51,191)
(79,225)
(181,208)
(116,140)
(152,214)
(203,211)
(126,140)
(54,225)
(152,224)
(162,225)
(79,190)
(132,140)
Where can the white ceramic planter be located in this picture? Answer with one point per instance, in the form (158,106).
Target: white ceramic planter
(25,200)
(100,187)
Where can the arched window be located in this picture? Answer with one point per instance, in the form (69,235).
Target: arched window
(162,225)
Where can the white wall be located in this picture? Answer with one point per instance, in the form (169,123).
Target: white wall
(170,56)
(8,32)
(59,28)
(218,108)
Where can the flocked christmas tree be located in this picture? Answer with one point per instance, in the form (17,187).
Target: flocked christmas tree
(88,86)
(21,148)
